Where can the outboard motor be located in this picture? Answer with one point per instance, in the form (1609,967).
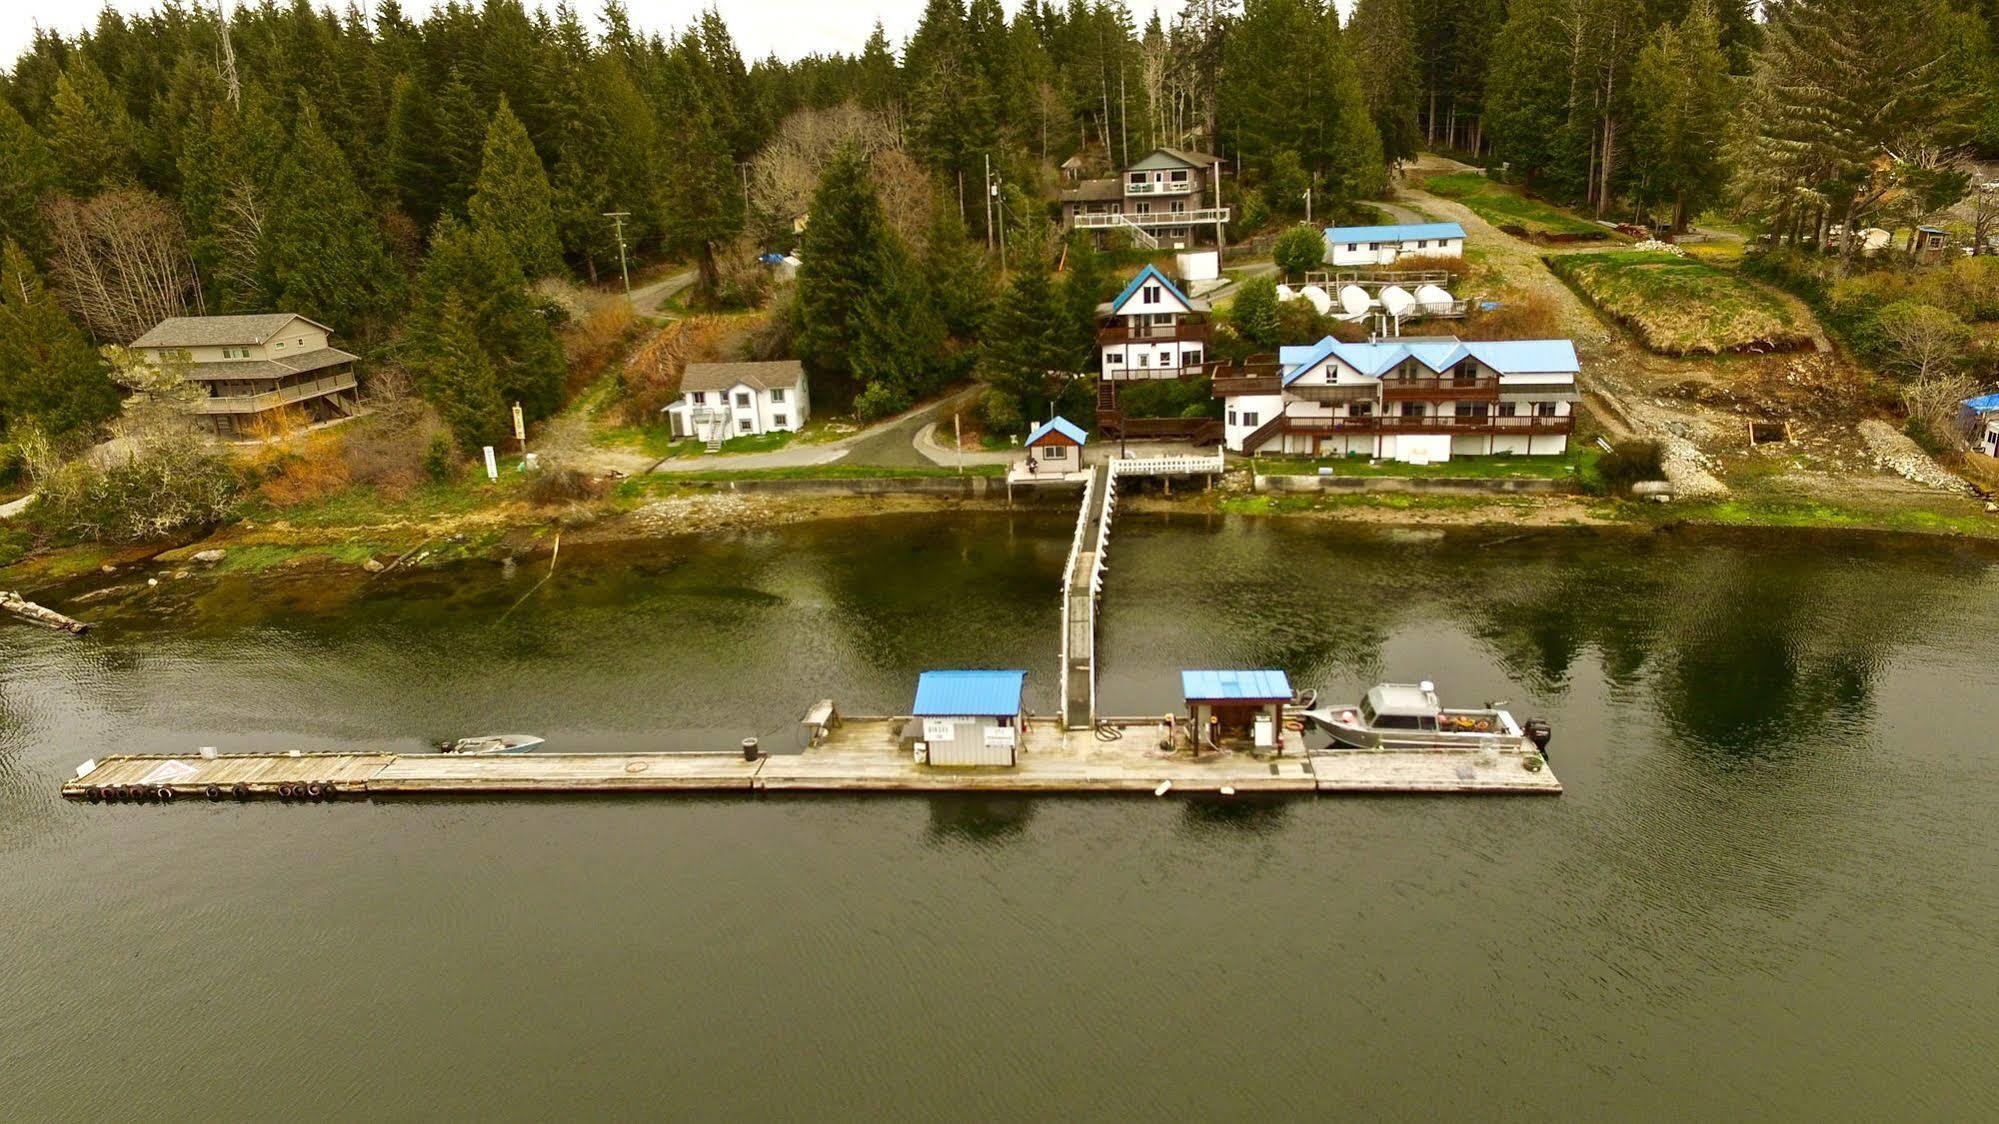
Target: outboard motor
(1540,733)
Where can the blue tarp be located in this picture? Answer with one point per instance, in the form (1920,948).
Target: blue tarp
(1061,425)
(1983,404)
(972,694)
(1245,685)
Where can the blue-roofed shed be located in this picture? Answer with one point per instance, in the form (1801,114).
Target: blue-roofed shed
(970,717)
(1979,419)
(1383,245)
(1233,704)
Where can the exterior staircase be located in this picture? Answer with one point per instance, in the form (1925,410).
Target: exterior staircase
(1263,433)
(1139,234)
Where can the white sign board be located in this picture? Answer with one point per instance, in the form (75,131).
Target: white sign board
(999,737)
(939,730)
(492,466)
(1201,265)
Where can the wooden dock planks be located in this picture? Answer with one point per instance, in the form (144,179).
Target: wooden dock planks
(861,755)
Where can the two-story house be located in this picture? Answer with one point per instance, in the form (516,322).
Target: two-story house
(1165,198)
(1385,245)
(723,400)
(247,367)
(1151,330)
(1417,398)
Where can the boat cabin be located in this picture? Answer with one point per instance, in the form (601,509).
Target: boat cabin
(969,717)
(1401,706)
(1236,704)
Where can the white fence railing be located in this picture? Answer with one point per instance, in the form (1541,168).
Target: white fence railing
(1168,466)
(1154,218)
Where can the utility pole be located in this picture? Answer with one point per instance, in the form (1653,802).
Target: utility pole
(1218,210)
(618,222)
(989,202)
(743,166)
(1308,206)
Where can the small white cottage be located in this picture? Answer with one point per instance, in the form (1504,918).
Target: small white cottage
(1385,245)
(723,400)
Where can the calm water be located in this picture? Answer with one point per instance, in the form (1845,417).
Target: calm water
(1769,891)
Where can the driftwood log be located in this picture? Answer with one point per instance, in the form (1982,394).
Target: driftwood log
(29,611)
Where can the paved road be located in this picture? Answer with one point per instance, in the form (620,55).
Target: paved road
(647,299)
(890,443)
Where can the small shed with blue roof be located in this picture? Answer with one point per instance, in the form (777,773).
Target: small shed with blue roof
(1236,704)
(969,717)
(1058,443)
(1385,245)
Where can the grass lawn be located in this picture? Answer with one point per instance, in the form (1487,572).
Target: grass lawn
(659,441)
(1576,462)
(1507,207)
(1680,306)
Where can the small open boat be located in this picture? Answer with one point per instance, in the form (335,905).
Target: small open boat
(487,745)
(1409,716)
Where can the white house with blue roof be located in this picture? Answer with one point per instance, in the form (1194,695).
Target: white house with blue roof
(1980,419)
(969,717)
(1152,330)
(1385,245)
(1421,399)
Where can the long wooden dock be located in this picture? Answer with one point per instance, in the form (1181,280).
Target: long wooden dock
(860,755)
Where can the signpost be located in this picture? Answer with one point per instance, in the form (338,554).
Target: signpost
(520,429)
(492,466)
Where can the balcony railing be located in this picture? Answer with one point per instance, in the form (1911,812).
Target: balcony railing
(1201,217)
(1126,333)
(1232,385)
(272,399)
(1436,423)
(1455,387)
(1147,187)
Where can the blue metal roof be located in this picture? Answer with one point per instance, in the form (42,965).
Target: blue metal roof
(1151,271)
(1406,232)
(1983,404)
(1235,685)
(1438,353)
(1061,425)
(980,694)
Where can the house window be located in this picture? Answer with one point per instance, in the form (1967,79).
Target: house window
(1152,294)
(1467,372)
(1361,410)
(776,395)
(1165,359)
(1471,409)
(1190,358)
(1144,209)
(1144,359)
(1249,418)
(1114,359)
(1179,207)
(1232,420)
(779,420)
(1508,410)
(1544,409)
(700,398)
(1055,452)
(1353,247)
(742,425)
(743,399)
(1412,409)
(1180,177)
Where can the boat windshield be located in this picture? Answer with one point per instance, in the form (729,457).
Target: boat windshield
(1366,713)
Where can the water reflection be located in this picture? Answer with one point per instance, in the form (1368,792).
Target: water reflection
(980,819)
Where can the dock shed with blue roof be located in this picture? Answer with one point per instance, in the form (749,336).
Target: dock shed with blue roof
(1231,705)
(969,717)
(1385,245)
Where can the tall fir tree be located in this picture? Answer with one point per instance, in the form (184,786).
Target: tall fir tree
(91,133)
(27,172)
(474,267)
(1027,352)
(50,376)
(1680,95)
(513,200)
(454,374)
(322,242)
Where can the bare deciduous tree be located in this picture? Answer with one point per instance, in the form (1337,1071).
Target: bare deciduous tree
(785,172)
(121,261)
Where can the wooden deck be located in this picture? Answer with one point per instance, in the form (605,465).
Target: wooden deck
(860,755)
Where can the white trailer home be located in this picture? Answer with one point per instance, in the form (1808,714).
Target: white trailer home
(1366,246)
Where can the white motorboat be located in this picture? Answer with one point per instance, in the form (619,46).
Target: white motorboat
(1409,716)
(487,745)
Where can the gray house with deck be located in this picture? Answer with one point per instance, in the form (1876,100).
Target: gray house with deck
(246,368)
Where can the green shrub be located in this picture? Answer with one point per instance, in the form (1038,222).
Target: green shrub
(440,461)
(1300,249)
(1629,462)
(1169,398)
(160,491)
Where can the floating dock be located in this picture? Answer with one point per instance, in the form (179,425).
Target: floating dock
(856,755)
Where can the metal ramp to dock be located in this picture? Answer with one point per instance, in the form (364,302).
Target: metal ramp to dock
(1082,581)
